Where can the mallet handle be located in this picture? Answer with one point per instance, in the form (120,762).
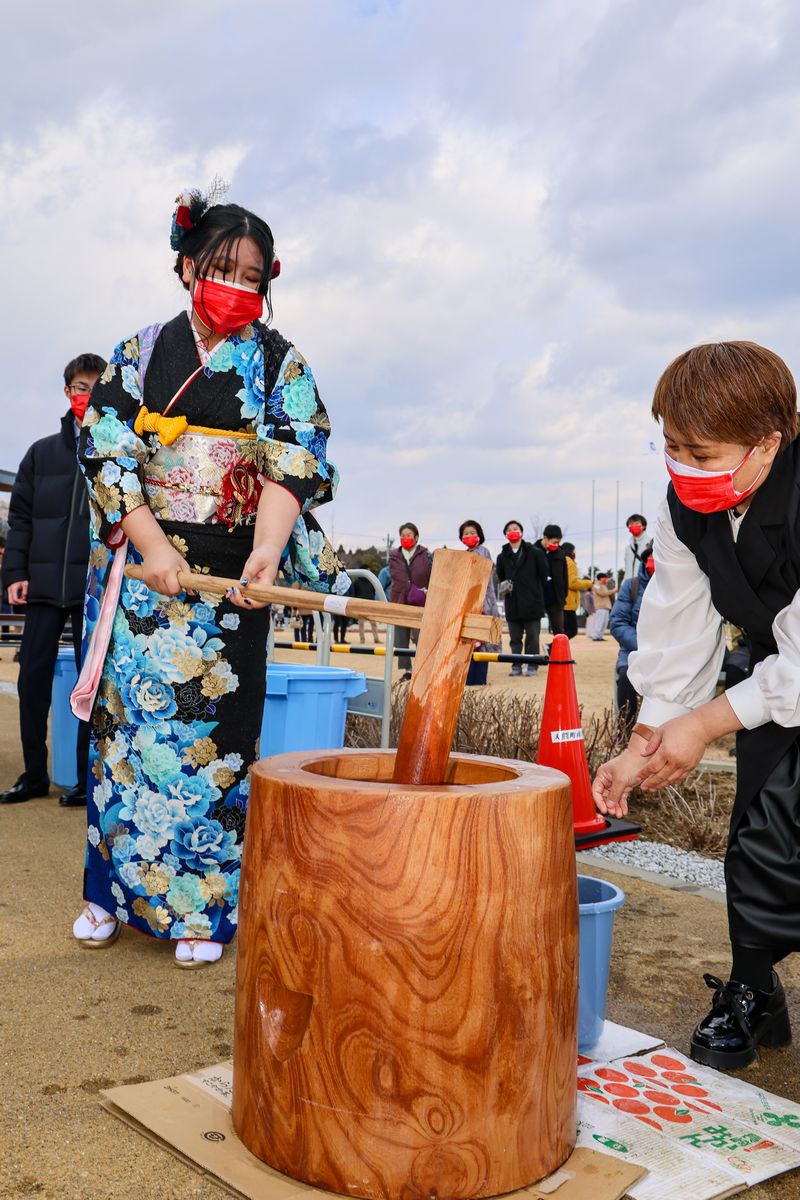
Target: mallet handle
(476,627)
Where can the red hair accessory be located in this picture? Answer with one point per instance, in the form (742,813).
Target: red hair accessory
(183,218)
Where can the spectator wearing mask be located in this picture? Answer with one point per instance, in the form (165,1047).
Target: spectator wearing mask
(45,568)
(622,623)
(522,574)
(575,585)
(471,535)
(637,528)
(555,592)
(603,592)
(410,569)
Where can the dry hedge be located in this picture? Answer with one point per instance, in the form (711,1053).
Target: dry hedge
(506,725)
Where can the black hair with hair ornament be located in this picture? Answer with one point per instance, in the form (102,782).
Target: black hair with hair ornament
(204,228)
(191,206)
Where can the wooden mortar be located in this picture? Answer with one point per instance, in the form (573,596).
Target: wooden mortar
(406,999)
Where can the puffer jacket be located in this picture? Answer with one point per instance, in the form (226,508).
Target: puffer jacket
(48,522)
(403,573)
(625,614)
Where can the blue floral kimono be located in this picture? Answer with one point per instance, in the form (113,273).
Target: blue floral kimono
(178,713)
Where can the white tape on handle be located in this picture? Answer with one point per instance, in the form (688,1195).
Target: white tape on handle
(336,604)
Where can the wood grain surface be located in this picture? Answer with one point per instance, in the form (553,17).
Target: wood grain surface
(406,1002)
(457,586)
(476,626)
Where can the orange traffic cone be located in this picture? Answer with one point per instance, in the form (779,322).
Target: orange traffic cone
(561,746)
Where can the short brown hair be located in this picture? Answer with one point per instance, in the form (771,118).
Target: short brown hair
(728,392)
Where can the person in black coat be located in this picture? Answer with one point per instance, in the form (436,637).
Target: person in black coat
(44,567)
(522,574)
(555,592)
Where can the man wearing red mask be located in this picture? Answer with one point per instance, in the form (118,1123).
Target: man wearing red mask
(637,528)
(44,568)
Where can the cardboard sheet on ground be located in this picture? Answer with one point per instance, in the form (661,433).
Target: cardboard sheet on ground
(190,1116)
(676,1128)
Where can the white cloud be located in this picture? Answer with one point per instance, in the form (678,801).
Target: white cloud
(495,233)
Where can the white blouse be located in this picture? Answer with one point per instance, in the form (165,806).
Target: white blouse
(681,641)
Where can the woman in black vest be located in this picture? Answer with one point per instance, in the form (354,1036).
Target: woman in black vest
(727,548)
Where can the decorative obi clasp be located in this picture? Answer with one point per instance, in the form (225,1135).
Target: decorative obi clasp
(167,428)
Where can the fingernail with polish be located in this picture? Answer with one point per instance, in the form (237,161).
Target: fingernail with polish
(244,581)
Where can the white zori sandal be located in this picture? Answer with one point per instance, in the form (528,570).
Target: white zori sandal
(95,928)
(192,954)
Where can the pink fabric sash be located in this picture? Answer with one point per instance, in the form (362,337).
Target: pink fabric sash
(85,690)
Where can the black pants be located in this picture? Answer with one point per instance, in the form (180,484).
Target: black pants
(478,674)
(401,640)
(556,618)
(530,629)
(627,701)
(761,866)
(37,661)
(570,622)
(340,629)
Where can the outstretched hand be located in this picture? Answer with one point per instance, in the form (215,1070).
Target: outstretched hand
(616,779)
(666,758)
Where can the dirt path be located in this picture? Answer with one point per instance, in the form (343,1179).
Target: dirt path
(75,1022)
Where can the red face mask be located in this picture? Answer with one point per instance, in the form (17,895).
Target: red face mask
(513,536)
(709,491)
(636,530)
(79,404)
(224,307)
(471,540)
(408,543)
(650,565)
(553,545)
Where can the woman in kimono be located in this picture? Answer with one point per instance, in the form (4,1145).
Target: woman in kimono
(727,548)
(222,483)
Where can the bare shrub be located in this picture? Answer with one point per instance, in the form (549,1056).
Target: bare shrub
(693,816)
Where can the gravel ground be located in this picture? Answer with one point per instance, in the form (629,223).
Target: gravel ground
(665,860)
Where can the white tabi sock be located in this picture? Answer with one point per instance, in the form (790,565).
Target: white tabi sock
(85,930)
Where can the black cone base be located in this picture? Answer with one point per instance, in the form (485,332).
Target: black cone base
(615,831)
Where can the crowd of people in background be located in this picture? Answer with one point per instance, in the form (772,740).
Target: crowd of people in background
(533,581)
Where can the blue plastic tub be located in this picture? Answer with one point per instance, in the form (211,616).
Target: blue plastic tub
(597,903)
(305,707)
(63,723)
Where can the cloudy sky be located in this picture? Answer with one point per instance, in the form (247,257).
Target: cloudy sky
(498,222)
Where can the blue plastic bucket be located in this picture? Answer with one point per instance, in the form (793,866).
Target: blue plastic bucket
(305,707)
(597,902)
(63,723)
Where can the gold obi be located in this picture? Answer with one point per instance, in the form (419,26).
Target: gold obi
(205,477)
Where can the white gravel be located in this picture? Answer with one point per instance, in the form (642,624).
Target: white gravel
(665,860)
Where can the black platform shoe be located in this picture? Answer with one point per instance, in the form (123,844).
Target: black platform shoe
(740,1020)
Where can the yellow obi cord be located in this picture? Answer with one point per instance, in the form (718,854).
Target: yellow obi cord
(167,428)
(220,433)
